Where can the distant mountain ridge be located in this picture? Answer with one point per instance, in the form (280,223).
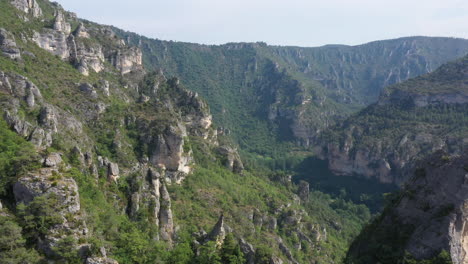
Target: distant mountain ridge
(282,88)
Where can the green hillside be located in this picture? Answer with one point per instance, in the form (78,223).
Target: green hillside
(103,160)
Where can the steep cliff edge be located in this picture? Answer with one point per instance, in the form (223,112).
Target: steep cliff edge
(425,219)
(410,121)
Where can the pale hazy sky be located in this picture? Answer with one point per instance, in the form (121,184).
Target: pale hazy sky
(279,22)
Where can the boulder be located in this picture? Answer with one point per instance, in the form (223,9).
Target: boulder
(113,171)
(53,160)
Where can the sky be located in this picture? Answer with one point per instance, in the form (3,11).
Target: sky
(306,23)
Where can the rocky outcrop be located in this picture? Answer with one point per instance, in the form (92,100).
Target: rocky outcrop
(248,250)
(218,233)
(429,213)
(49,182)
(362,162)
(81,31)
(21,88)
(38,136)
(197,118)
(86,57)
(127,60)
(166,221)
(60,24)
(168,152)
(150,194)
(8,45)
(286,251)
(53,160)
(54,42)
(112,169)
(231,158)
(42,127)
(28,6)
(276,260)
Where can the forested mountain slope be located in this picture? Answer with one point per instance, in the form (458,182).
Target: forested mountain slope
(104,160)
(290,94)
(410,121)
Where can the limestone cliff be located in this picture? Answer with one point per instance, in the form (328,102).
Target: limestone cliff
(28,6)
(49,182)
(425,218)
(410,120)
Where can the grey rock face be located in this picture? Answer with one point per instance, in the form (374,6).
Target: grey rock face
(60,24)
(285,250)
(88,89)
(88,57)
(111,167)
(218,233)
(81,31)
(303,190)
(54,42)
(38,136)
(438,209)
(53,160)
(199,119)
(113,171)
(233,160)
(168,152)
(8,45)
(127,60)
(21,88)
(38,183)
(248,250)
(166,222)
(45,182)
(28,6)
(432,209)
(48,118)
(276,260)
(151,194)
